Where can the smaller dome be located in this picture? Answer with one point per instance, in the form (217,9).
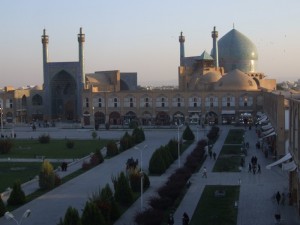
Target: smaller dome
(210,77)
(236,80)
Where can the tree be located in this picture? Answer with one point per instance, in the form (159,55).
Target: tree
(91,215)
(188,134)
(72,217)
(111,149)
(2,207)
(138,135)
(5,146)
(47,176)
(123,192)
(157,164)
(17,196)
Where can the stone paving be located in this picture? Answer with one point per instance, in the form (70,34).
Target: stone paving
(255,205)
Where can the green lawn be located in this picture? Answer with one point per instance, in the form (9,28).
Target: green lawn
(12,171)
(227,164)
(231,150)
(235,136)
(212,210)
(54,149)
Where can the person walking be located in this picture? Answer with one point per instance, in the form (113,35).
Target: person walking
(171,219)
(185,219)
(258,168)
(282,198)
(249,168)
(214,155)
(278,197)
(204,174)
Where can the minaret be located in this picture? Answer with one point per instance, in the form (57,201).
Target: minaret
(81,40)
(45,41)
(181,41)
(214,35)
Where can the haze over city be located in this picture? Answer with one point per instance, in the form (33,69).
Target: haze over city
(142,36)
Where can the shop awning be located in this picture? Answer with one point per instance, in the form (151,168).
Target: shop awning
(267,132)
(289,166)
(228,112)
(283,159)
(266,127)
(269,135)
(265,118)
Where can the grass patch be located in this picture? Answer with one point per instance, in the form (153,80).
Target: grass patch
(212,210)
(22,171)
(54,149)
(227,164)
(231,150)
(235,136)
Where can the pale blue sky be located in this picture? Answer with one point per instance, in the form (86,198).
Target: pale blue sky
(142,36)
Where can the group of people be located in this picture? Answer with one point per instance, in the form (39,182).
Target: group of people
(254,166)
(185,219)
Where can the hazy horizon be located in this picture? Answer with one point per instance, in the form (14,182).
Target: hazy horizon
(142,36)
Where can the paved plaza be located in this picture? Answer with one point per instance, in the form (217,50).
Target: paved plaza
(255,205)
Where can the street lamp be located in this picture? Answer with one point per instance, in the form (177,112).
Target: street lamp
(1,120)
(10,216)
(178,147)
(93,108)
(142,188)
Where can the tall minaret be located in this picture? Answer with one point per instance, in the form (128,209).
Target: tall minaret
(181,41)
(81,40)
(45,41)
(214,35)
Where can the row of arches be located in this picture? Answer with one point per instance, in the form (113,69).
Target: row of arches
(160,118)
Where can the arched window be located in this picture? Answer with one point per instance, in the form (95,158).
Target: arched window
(37,100)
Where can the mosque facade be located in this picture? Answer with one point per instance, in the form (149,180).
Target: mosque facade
(220,87)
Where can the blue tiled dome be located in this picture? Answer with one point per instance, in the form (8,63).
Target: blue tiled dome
(236,51)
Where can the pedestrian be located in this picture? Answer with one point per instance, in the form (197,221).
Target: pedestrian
(210,153)
(278,197)
(171,219)
(258,168)
(214,155)
(249,168)
(185,219)
(282,199)
(204,174)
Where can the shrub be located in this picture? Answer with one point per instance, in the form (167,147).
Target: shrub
(5,146)
(111,149)
(126,142)
(160,203)
(138,135)
(91,215)
(173,147)
(94,134)
(188,134)
(17,196)
(44,139)
(2,207)
(70,144)
(72,217)
(149,217)
(123,192)
(157,164)
(47,176)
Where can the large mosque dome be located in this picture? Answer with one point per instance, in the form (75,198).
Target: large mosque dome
(236,51)
(236,80)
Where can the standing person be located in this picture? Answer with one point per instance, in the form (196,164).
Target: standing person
(185,219)
(204,174)
(278,197)
(282,198)
(214,155)
(210,153)
(258,168)
(171,219)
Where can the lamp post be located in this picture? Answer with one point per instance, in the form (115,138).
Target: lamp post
(93,108)
(10,216)
(142,188)
(1,111)
(178,147)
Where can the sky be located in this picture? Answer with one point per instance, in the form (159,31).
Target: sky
(142,36)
